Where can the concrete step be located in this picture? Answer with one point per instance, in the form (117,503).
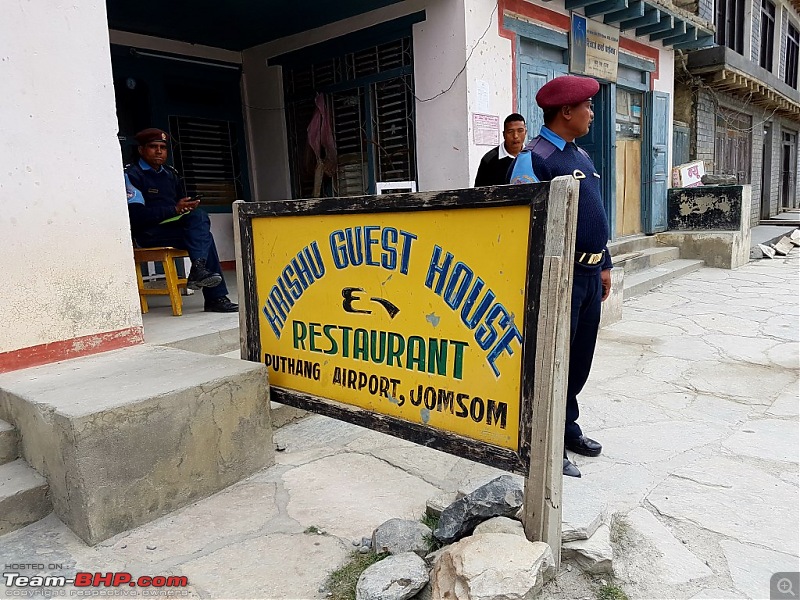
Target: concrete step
(643,281)
(24,497)
(8,443)
(633,243)
(639,260)
(281,414)
(185,423)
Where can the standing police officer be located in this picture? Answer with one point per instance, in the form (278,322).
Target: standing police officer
(162,215)
(567,107)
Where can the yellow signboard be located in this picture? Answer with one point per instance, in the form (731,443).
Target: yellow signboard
(413,315)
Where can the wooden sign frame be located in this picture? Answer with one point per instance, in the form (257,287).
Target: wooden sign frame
(545,345)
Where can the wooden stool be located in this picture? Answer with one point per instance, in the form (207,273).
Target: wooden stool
(165,256)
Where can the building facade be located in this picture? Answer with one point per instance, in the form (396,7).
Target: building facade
(410,91)
(737,101)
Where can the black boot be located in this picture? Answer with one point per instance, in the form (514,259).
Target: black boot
(200,277)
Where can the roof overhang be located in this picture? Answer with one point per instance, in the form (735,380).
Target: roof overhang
(659,20)
(725,70)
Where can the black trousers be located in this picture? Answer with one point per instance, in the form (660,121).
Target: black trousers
(192,232)
(587,293)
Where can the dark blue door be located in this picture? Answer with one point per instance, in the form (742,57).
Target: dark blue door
(598,144)
(655,177)
(532,76)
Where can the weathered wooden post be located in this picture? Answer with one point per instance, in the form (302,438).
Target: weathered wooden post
(438,317)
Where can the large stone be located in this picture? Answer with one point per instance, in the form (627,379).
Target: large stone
(501,497)
(581,513)
(397,536)
(434,506)
(500,525)
(396,577)
(124,437)
(594,555)
(492,566)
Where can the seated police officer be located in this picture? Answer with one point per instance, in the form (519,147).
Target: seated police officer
(162,215)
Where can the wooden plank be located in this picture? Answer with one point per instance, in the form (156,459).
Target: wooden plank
(240,280)
(542,504)
(620,152)
(633,188)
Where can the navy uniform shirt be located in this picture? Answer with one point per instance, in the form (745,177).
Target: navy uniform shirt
(552,156)
(160,191)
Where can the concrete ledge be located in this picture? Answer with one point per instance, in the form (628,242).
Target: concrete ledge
(23,496)
(8,443)
(127,436)
(720,249)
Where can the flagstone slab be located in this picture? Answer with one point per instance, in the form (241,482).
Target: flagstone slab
(270,566)
(732,498)
(673,563)
(751,567)
(770,439)
(350,494)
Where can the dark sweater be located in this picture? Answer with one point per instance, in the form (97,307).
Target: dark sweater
(592,233)
(161,190)
(493,169)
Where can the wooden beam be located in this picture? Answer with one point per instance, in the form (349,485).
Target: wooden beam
(664,24)
(634,10)
(651,17)
(690,35)
(702,41)
(574,4)
(600,8)
(678,29)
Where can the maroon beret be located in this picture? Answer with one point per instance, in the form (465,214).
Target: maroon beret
(566,91)
(151,134)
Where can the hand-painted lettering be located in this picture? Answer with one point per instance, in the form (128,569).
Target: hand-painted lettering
(493,326)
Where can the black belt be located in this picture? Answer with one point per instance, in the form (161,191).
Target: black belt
(587,258)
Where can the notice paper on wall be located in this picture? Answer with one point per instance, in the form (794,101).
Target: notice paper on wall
(485,129)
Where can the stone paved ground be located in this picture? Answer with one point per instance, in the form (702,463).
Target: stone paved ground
(694,396)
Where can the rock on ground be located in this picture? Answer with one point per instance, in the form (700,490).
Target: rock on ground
(396,577)
(396,536)
(492,566)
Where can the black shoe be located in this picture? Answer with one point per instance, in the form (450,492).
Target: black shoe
(569,469)
(200,277)
(583,445)
(221,305)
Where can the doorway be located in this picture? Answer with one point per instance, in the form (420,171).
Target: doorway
(629,162)
(788,166)
(766,172)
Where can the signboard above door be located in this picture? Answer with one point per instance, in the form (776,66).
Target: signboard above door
(593,48)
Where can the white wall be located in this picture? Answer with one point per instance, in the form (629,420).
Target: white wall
(67,259)
(492,63)
(443,149)
(666,83)
(440,84)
